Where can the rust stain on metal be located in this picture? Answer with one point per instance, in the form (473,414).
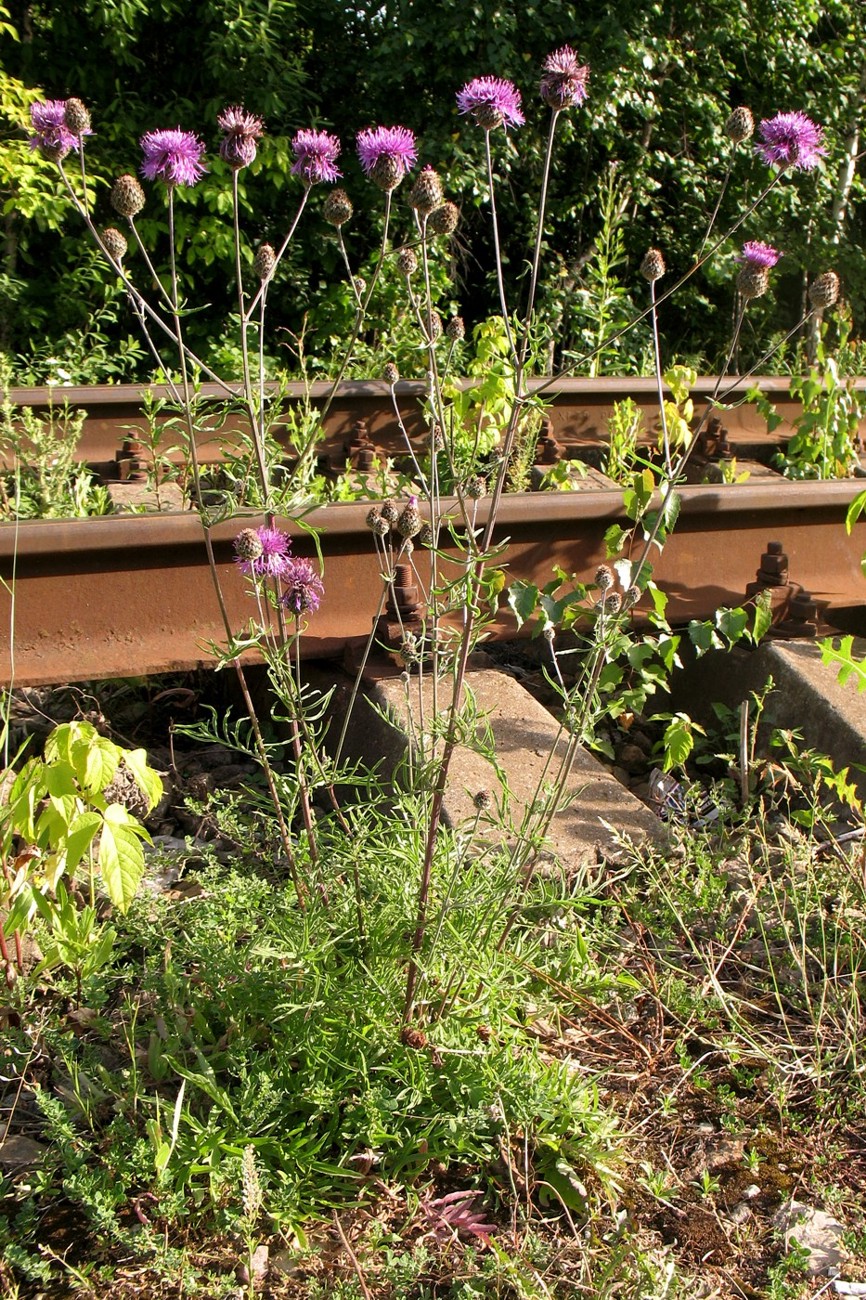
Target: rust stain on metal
(120,596)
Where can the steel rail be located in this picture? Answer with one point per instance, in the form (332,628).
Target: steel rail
(131,595)
(578,411)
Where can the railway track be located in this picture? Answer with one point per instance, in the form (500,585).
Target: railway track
(129,595)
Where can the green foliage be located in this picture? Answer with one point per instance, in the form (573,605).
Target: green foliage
(826,439)
(624,429)
(145,68)
(46,480)
(62,807)
(842,653)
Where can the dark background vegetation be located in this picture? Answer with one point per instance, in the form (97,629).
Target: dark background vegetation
(665,75)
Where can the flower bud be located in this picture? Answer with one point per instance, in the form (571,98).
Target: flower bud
(127,196)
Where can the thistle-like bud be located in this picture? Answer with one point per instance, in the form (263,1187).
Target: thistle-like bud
(114,244)
(444,220)
(127,196)
(435,326)
(652,267)
(409,523)
(390,373)
(425,536)
(753,281)
(248,544)
(360,285)
(264,261)
(426,194)
(631,598)
(387,172)
(476,486)
(482,800)
(390,513)
(377,525)
(337,208)
(76,117)
(455,329)
(740,125)
(603,578)
(407,262)
(824,291)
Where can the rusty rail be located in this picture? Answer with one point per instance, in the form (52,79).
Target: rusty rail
(123,596)
(578,412)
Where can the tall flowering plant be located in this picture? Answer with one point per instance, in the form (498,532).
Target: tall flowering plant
(435,635)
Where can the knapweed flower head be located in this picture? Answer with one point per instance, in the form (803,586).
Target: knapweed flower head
(52,137)
(242,130)
(114,243)
(653,267)
(824,291)
(337,208)
(757,258)
(387,153)
(740,125)
(790,140)
(426,194)
(262,552)
(172,156)
(264,261)
(492,102)
(444,220)
(757,253)
(316,154)
(127,196)
(77,117)
(563,82)
(303,587)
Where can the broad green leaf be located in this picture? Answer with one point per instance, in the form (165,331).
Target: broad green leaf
(855,510)
(99,761)
(703,637)
(732,623)
(149,781)
(613,540)
(763,616)
(82,829)
(121,856)
(60,780)
(678,741)
(523,599)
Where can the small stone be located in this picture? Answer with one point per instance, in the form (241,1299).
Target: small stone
(259,1263)
(740,1213)
(815,1231)
(18,1152)
(632,758)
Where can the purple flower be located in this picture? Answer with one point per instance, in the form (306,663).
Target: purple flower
(316,153)
(563,84)
(492,102)
(387,153)
(262,552)
(172,156)
(304,589)
(242,130)
(756,253)
(790,140)
(52,136)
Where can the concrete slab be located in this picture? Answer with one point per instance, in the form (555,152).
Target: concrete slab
(806,696)
(524,734)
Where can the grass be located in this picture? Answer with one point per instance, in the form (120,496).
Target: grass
(625,1094)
